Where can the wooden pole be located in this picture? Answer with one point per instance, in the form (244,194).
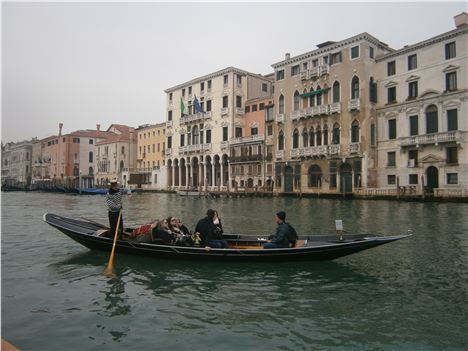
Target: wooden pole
(109,271)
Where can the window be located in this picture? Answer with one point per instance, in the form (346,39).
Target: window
(391,95)
(202,86)
(170,97)
(238,101)
(412,90)
(354,52)
(247,109)
(208,105)
(372,90)
(190,91)
(413,179)
(281,141)
(372,134)
(264,87)
(452,155)
(335,58)
(208,136)
(315,63)
(296,100)
(391,159)
(225,80)
(305,138)
(325,135)
(392,132)
(183,92)
(169,115)
(91,141)
(225,101)
(355,88)
(169,142)
(452,119)
(431,119)
(391,68)
(270,130)
(295,70)
(391,179)
(295,139)
(355,132)
(254,108)
(90,157)
(280,74)
(304,66)
(209,85)
(450,50)
(336,92)
(238,132)
(412,62)
(371,52)
(412,158)
(451,81)
(281,104)
(336,134)
(452,178)
(195,135)
(261,106)
(254,131)
(238,79)
(182,140)
(318,134)
(413,120)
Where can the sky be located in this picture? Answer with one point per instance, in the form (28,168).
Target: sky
(92,63)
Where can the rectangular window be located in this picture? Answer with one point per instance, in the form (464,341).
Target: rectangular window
(247,109)
(170,97)
(413,179)
(264,87)
(270,130)
(452,119)
(183,92)
(208,136)
(391,179)
(304,66)
(315,63)
(238,132)
(392,132)
(354,52)
(90,157)
(190,91)
(391,159)
(413,120)
(169,115)
(253,131)
(450,50)
(372,134)
(452,155)
(254,108)
(391,95)
(261,106)
(391,68)
(451,81)
(238,101)
(412,90)
(169,142)
(371,52)
(452,178)
(335,58)
(209,84)
(412,62)
(295,70)
(202,86)
(225,80)
(225,133)
(412,158)
(225,101)
(238,79)
(208,105)
(91,141)
(280,75)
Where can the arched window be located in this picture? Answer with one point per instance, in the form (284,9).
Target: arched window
(319,97)
(311,137)
(195,135)
(336,92)
(304,99)
(325,135)
(372,90)
(355,88)
(305,138)
(355,132)
(90,171)
(336,134)
(123,150)
(311,98)
(281,141)
(318,135)
(281,104)
(122,166)
(296,100)
(295,139)
(432,125)
(314,176)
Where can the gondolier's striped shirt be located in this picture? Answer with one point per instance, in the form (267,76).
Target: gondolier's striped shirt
(114,200)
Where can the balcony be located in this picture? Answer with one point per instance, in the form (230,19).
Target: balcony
(335,107)
(224,144)
(354,104)
(246,158)
(313,72)
(195,117)
(194,148)
(280,118)
(324,69)
(354,148)
(334,149)
(239,111)
(247,139)
(295,115)
(168,124)
(323,109)
(311,151)
(304,75)
(224,111)
(168,151)
(436,138)
(279,154)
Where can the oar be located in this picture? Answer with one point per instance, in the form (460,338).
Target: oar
(109,271)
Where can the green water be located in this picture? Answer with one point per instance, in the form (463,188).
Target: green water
(407,295)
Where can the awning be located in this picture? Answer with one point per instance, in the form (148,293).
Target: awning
(312,93)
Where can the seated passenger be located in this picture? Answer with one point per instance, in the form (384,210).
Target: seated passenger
(162,233)
(182,227)
(209,234)
(280,239)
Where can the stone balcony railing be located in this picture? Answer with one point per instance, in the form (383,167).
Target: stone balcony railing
(324,69)
(224,111)
(324,109)
(334,149)
(224,145)
(280,117)
(322,150)
(435,138)
(194,148)
(313,72)
(295,115)
(247,139)
(279,154)
(304,75)
(354,104)
(195,117)
(168,151)
(335,107)
(240,111)
(354,148)
(168,124)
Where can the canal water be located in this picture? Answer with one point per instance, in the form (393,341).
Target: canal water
(407,295)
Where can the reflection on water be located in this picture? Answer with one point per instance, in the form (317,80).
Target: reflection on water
(408,295)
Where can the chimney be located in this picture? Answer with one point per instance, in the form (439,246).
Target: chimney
(461,20)
(287,56)
(98,127)
(60,129)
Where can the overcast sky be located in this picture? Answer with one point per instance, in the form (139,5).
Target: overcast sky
(88,63)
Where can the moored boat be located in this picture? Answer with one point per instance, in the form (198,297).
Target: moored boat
(183,192)
(242,247)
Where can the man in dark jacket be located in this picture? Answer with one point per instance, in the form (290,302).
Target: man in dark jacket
(208,233)
(280,239)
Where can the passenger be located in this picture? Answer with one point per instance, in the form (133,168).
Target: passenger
(182,227)
(208,233)
(217,223)
(173,226)
(162,233)
(280,239)
(114,206)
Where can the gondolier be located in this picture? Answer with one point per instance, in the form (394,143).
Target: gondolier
(114,205)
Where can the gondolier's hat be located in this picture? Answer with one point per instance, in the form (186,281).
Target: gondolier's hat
(281,215)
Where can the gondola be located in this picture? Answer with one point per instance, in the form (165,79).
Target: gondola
(243,247)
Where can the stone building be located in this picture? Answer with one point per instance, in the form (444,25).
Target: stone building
(17,164)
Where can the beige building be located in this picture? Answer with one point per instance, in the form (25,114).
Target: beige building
(17,164)
(202,117)
(422,115)
(325,117)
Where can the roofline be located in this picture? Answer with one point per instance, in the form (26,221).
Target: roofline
(213,75)
(332,47)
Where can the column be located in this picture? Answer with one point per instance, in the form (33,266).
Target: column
(213,175)
(222,174)
(187,175)
(180,174)
(173,176)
